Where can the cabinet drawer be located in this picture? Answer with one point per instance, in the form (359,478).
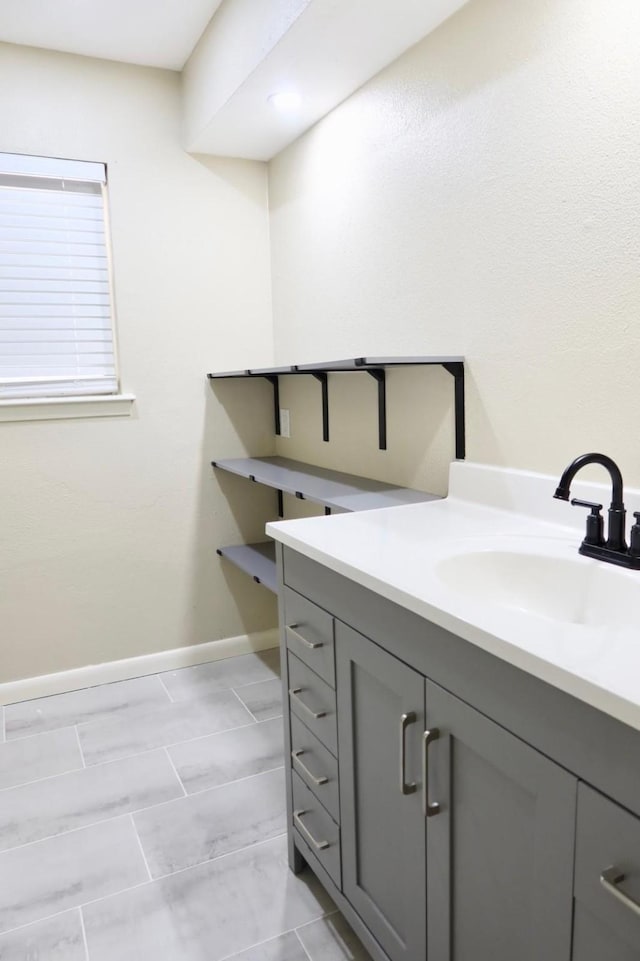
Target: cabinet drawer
(309,634)
(316,766)
(314,702)
(317,829)
(608,837)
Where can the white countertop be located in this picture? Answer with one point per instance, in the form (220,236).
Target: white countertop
(401,552)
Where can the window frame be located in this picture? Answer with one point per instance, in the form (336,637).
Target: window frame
(70,405)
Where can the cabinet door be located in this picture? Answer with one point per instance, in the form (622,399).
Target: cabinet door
(594,941)
(380,725)
(607,881)
(500,848)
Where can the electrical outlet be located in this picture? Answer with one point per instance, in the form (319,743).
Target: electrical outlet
(285,423)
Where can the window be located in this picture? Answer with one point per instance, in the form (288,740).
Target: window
(56,317)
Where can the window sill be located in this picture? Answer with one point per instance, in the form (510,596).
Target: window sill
(62,408)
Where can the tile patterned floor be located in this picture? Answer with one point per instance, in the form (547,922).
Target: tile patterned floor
(146,820)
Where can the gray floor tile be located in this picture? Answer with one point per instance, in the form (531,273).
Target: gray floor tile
(109,740)
(40,810)
(211,761)
(194,829)
(211,911)
(285,948)
(56,939)
(51,876)
(91,703)
(331,939)
(32,758)
(220,675)
(263,699)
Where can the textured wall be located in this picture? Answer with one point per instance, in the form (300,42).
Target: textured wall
(238,38)
(109,526)
(481,196)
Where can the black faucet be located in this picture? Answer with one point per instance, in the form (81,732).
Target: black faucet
(614,549)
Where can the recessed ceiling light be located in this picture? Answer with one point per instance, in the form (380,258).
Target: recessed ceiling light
(288,101)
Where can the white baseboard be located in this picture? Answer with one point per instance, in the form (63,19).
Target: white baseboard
(93,674)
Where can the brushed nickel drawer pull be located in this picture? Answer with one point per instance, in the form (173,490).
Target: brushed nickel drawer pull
(295,692)
(430,807)
(303,767)
(610,879)
(405,721)
(318,845)
(312,645)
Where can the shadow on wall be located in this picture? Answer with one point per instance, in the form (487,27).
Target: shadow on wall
(420,426)
(245,417)
(480,423)
(238,422)
(483,42)
(233,171)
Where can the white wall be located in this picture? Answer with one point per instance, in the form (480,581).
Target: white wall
(109,527)
(481,196)
(237,40)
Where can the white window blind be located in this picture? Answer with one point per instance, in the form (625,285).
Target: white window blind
(56,330)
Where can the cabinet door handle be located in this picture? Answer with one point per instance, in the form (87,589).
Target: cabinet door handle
(318,845)
(430,807)
(312,645)
(610,879)
(405,721)
(295,692)
(303,767)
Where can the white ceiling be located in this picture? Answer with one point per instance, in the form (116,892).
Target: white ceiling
(237,57)
(153,33)
(323,49)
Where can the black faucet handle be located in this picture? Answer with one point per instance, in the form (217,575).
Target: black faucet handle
(594,536)
(595,508)
(634,540)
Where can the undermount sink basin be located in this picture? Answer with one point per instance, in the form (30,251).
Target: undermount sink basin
(568,590)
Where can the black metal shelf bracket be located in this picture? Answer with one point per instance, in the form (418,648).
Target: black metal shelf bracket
(275,383)
(379,375)
(323,377)
(376,367)
(280,505)
(456,370)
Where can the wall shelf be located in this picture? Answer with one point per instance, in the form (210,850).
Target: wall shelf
(334,490)
(331,488)
(257,560)
(376,367)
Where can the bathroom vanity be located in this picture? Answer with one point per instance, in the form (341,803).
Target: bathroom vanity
(464,772)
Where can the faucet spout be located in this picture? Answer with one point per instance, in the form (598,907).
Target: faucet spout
(617,513)
(563,491)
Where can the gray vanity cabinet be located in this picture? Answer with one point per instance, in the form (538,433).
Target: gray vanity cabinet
(380,725)
(455,808)
(593,940)
(500,844)
(493,861)
(606,915)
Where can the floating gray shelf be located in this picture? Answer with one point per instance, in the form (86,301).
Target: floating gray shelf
(333,489)
(257,560)
(357,363)
(376,368)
